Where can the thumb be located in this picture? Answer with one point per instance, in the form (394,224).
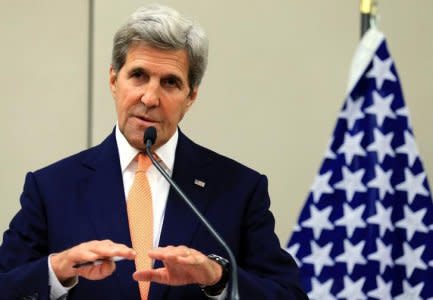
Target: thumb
(155,275)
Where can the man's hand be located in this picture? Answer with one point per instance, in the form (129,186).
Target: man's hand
(182,266)
(63,262)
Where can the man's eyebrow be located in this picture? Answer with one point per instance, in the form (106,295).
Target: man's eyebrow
(176,77)
(167,75)
(172,75)
(135,69)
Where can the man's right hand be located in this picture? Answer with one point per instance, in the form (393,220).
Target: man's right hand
(63,262)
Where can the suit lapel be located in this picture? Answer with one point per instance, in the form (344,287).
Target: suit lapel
(180,222)
(104,202)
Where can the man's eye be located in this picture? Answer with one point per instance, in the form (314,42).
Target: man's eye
(171,82)
(137,74)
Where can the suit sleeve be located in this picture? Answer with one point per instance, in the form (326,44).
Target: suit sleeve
(265,270)
(23,253)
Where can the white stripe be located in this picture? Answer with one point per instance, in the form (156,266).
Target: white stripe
(363,56)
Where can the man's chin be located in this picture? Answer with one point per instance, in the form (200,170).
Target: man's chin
(137,142)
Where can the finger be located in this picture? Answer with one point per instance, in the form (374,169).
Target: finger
(170,252)
(98,272)
(111,249)
(80,254)
(191,260)
(162,253)
(159,275)
(190,256)
(108,249)
(178,255)
(63,262)
(105,266)
(96,252)
(141,276)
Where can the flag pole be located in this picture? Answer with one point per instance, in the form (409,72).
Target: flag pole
(368,14)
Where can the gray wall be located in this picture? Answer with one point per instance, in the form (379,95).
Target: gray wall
(43,89)
(275,83)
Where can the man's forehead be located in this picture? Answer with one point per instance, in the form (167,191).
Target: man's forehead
(142,55)
(155,52)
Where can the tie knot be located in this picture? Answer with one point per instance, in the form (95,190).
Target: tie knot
(144,162)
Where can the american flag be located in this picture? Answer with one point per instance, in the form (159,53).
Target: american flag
(366,230)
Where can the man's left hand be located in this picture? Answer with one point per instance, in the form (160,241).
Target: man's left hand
(182,265)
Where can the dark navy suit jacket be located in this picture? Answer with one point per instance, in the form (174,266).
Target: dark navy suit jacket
(81,198)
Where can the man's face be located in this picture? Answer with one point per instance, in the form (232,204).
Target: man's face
(151,89)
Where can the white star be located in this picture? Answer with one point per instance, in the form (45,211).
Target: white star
(351,182)
(293,251)
(352,219)
(382,145)
(321,186)
(409,148)
(352,111)
(411,259)
(319,257)
(352,255)
(381,71)
(352,146)
(383,290)
(329,153)
(352,290)
(404,112)
(382,181)
(413,185)
(382,255)
(409,292)
(321,291)
(382,218)
(381,108)
(319,220)
(412,221)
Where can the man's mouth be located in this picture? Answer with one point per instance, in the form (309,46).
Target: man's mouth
(146,119)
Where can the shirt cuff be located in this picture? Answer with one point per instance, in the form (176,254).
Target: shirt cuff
(57,289)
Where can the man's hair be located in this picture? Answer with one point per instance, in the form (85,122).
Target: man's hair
(162,27)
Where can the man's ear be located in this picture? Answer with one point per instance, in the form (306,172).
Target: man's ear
(112,80)
(192,96)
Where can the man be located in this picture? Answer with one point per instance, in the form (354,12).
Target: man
(78,215)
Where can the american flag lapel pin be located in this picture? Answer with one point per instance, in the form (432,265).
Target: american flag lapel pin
(199,182)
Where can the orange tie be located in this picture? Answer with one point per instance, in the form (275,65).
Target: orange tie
(139,205)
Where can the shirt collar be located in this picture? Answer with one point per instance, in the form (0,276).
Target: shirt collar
(127,153)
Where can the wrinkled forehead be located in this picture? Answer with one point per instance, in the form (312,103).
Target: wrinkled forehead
(149,54)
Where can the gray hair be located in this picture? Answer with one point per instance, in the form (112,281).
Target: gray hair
(163,28)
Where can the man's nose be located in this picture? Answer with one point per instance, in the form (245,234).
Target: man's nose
(151,94)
